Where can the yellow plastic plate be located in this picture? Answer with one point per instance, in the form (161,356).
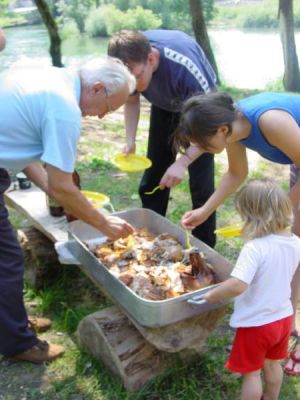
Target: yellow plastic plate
(97,199)
(131,162)
(230,230)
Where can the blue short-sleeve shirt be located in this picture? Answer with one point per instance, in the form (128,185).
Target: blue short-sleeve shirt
(39,117)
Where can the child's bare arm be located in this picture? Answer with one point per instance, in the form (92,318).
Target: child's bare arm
(232,287)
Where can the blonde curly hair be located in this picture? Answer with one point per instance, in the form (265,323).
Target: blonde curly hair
(264,207)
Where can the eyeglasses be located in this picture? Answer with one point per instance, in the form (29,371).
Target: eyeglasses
(108,105)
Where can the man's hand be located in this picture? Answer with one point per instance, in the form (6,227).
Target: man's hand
(61,187)
(191,219)
(115,227)
(174,175)
(129,148)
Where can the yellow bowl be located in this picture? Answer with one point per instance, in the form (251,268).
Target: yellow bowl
(97,199)
(230,230)
(131,162)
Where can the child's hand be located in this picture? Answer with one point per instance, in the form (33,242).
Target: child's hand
(207,296)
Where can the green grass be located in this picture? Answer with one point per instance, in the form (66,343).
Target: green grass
(70,296)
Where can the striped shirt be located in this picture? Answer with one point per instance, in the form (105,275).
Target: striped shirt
(183,70)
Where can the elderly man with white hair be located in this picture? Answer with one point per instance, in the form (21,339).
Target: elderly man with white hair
(40,116)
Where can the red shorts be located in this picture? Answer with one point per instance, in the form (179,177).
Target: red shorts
(253,345)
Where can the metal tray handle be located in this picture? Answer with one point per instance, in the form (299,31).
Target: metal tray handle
(198,300)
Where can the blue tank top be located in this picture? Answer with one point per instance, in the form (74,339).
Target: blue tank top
(253,107)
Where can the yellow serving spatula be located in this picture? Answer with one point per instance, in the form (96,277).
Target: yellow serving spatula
(229,230)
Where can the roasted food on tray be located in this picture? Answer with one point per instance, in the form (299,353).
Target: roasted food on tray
(155,267)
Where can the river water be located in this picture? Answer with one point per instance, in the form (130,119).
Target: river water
(245,59)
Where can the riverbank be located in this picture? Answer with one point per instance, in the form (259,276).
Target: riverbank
(245,59)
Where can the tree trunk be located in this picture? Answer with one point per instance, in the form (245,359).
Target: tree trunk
(201,35)
(291,78)
(110,337)
(55,41)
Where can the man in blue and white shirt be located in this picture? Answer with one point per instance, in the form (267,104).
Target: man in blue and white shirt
(169,67)
(40,122)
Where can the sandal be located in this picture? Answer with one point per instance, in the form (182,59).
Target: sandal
(289,367)
(292,368)
(295,333)
(295,350)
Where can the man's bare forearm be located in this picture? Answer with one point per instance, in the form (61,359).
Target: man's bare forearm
(132,115)
(38,175)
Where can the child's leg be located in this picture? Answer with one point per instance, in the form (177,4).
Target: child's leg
(273,379)
(252,386)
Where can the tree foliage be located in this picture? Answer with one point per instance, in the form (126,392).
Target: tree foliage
(166,9)
(108,19)
(76,9)
(3,6)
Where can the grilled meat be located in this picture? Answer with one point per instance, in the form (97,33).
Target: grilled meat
(156,268)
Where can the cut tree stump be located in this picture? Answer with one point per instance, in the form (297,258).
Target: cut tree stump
(188,335)
(41,260)
(134,355)
(111,337)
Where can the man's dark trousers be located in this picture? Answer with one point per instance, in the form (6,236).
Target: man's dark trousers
(15,337)
(201,172)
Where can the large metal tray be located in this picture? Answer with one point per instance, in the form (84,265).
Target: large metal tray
(145,312)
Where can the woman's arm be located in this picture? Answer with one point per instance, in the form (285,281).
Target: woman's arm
(236,174)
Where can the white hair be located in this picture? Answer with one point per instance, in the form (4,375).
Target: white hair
(110,71)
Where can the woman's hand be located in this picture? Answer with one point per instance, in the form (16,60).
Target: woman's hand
(193,218)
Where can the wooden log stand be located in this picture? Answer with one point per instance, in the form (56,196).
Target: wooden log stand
(133,355)
(41,260)
(110,336)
